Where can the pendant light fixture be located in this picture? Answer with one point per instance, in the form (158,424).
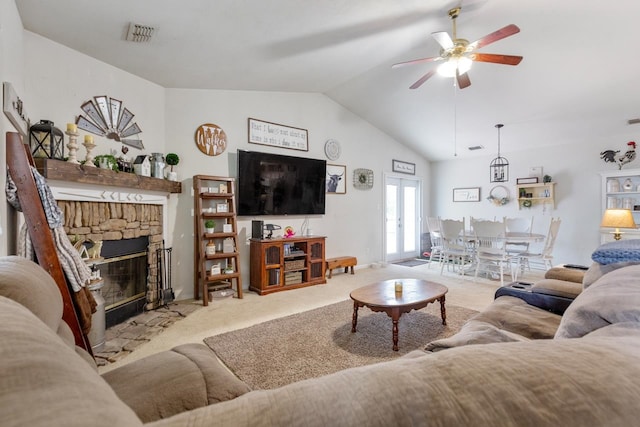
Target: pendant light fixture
(499,167)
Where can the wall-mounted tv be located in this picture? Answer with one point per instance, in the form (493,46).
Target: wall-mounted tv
(273,184)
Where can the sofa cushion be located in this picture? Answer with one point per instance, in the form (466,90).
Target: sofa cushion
(597,270)
(188,376)
(41,297)
(506,319)
(43,382)
(614,298)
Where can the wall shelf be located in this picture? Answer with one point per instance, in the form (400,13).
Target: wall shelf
(543,194)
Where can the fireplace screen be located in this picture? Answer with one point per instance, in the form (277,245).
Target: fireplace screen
(125,278)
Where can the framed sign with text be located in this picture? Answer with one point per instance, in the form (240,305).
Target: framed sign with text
(404,167)
(275,135)
(471,194)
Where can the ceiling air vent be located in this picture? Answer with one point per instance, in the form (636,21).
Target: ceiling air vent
(475,147)
(139,33)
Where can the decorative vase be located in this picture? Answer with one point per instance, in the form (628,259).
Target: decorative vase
(628,185)
(613,186)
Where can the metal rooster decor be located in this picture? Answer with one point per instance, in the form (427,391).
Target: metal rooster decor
(609,156)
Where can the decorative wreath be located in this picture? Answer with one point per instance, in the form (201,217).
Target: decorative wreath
(499,195)
(526,203)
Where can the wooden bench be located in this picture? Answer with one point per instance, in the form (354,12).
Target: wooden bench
(339,262)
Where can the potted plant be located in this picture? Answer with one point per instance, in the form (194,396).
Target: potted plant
(106,161)
(172,160)
(209,225)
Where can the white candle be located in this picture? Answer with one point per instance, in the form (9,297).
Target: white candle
(88,138)
(72,127)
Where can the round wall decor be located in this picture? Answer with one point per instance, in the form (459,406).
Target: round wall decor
(363,179)
(499,195)
(211,139)
(332,149)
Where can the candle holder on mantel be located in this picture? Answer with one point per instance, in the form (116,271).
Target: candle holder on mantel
(72,145)
(89,145)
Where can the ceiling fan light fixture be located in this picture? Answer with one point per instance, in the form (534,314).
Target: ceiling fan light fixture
(448,69)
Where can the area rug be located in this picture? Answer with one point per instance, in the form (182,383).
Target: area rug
(411,262)
(320,342)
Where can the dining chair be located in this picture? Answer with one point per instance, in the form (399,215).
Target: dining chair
(454,244)
(433,224)
(518,225)
(491,253)
(545,255)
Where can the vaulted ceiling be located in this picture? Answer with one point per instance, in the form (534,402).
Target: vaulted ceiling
(577,80)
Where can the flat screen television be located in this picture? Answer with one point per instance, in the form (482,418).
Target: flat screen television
(273,184)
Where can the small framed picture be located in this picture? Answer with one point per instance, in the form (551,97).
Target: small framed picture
(403,167)
(227,228)
(222,207)
(223,188)
(528,180)
(336,179)
(471,194)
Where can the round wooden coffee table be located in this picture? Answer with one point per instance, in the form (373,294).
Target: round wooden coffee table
(381,296)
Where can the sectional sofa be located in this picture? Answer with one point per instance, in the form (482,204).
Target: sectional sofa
(587,372)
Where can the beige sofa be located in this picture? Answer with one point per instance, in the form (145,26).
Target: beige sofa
(589,375)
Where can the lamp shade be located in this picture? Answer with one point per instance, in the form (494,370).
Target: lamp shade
(618,218)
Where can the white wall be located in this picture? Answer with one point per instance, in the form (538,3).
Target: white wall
(59,80)
(574,167)
(353,222)
(11,70)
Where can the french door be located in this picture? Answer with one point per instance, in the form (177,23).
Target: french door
(402,218)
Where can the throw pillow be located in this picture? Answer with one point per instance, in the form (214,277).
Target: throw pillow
(612,299)
(618,251)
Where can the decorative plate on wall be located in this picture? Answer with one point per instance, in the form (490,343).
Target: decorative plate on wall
(363,179)
(211,139)
(332,149)
(106,117)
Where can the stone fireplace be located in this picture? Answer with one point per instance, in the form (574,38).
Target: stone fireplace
(117,209)
(127,231)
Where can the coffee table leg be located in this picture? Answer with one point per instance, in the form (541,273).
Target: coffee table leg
(354,320)
(443,311)
(395,317)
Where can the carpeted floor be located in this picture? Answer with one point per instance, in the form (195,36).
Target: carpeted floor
(412,262)
(319,342)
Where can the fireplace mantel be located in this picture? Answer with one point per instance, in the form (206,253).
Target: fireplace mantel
(64,171)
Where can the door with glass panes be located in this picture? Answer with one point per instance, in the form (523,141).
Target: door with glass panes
(402,218)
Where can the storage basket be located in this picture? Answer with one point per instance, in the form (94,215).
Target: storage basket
(294,264)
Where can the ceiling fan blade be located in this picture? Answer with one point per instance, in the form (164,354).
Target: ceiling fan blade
(497,59)
(500,34)
(423,79)
(417,61)
(444,39)
(463,80)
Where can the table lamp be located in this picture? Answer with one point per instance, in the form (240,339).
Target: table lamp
(618,218)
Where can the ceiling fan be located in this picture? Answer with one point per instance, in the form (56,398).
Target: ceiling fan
(459,54)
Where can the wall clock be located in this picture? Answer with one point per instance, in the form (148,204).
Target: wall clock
(363,179)
(332,149)
(211,139)
(106,117)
